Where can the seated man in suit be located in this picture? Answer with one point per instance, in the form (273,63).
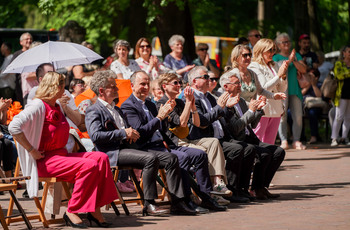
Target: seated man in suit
(111,133)
(143,116)
(184,113)
(240,120)
(239,156)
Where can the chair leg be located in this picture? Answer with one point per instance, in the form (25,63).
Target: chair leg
(137,186)
(120,197)
(115,209)
(21,210)
(2,220)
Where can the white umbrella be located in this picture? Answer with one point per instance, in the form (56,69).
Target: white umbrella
(60,54)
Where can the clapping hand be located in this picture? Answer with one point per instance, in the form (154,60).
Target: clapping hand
(279,96)
(232,101)
(64,100)
(165,109)
(282,72)
(262,102)
(291,56)
(189,94)
(223,99)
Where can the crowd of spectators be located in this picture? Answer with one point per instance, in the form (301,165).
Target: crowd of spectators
(217,128)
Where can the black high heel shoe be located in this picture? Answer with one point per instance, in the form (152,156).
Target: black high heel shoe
(90,217)
(70,223)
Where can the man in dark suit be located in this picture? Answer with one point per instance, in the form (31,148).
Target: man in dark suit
(239,121)
(239,156)
(111,133)
(143,116)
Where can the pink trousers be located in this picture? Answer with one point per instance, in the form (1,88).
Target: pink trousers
(267,129)
(89,171)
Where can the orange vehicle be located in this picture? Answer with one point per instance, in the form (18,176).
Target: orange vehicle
(219,47)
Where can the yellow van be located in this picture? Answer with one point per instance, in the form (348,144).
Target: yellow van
(219,47)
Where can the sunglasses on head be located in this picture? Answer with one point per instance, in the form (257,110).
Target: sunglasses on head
(145,46)
(255,35)
(214,79)
(205,77)
(246,55)
(175,83)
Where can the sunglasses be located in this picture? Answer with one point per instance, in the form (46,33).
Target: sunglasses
(204,49)
(214,79)
(255,35)
(175,83)
(272,50)
(146,46)
(205,77)
(246,55)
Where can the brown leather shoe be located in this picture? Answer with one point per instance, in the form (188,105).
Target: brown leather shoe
(271,195)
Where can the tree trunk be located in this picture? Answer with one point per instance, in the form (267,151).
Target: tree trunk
(137,22)
(315,33)
(172,21)
(261,15)
(301,20)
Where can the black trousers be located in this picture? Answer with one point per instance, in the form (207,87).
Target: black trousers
(6,154)
(239,163)
(150,162)
(269,159)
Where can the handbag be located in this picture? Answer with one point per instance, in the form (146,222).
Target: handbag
(329,86)
(303,80)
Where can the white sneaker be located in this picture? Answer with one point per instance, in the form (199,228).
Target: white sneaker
(220,200)
(334,143)
(221,189)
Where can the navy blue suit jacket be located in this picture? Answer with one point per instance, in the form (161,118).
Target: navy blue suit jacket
(137,118)
(101,128)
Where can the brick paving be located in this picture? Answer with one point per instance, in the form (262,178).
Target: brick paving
(314,185)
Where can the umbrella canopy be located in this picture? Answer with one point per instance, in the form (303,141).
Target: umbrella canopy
(59,54)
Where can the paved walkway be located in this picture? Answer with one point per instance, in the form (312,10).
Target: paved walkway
(315,194)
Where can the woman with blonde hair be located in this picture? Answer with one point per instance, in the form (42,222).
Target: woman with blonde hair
(41,131)
(272,79)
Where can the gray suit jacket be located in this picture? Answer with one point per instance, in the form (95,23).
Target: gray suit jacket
(236,124)
(103,131)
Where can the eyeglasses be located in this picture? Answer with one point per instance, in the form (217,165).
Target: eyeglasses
(285,42)
(246,55)
(204,49)
(145,46)
(214,79)
(175,83)
(255,35)
(80,85)
(234,83)
(204,77)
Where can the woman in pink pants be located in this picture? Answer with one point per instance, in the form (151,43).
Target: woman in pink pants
(272,79)
(41,131)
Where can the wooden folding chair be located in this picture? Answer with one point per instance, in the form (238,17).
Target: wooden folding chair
(10,188)
(40,206)
(161,179)
(140,197)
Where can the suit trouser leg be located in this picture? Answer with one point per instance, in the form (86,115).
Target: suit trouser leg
(170,163)
(264,157)
(234,156)
(278,155)
(147,161)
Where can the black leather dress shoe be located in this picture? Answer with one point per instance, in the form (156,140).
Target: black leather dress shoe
(211,204)
(260,194)
(181,208)
(198,209)
(153,210)
(245,193)
(237,199)
(271,195)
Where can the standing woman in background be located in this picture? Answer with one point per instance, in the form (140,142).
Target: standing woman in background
(342,99)
(123,66)
(273,80)
(295,98)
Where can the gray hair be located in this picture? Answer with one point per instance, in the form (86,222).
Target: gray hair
(134,75)
(124,43)
(100,80)
(280,36)
(24,34)
(195,73)
(225,78)
(173,39)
